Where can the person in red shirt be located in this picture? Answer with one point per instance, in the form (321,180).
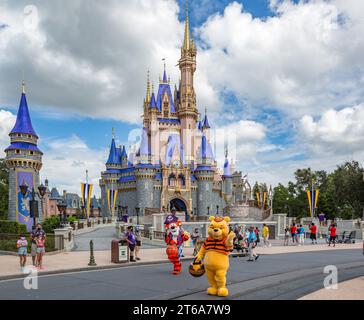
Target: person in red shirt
(313,236)
(294,233)
(332,234)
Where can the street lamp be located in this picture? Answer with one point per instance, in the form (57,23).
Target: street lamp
(62,206)
(137,210)
(208,211)
(217,210)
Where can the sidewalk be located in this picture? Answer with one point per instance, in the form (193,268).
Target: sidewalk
(78,260)
(347,290)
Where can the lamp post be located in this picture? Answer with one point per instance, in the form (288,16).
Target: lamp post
(208,211)
(217,210)
(62,206)
(137,210)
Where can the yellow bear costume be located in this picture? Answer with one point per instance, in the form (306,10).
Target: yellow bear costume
(215,253)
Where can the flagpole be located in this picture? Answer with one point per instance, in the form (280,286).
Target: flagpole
(312,200)
(87,195)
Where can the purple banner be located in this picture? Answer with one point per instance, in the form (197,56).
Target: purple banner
(23,209)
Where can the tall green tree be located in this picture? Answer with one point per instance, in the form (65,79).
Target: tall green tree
(4,190)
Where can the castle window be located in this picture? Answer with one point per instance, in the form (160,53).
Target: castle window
(19,135)
(29,136)
(172,181)
(17,151)
(31,152)
(182,180)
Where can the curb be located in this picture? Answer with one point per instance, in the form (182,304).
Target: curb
(95,268)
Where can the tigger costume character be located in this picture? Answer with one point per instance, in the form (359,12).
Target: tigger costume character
(215,253)
(175,237)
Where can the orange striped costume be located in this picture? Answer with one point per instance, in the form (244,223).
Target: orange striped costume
(217,245)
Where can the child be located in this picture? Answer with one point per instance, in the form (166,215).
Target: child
(252,238)
(22,245)
(286,236)
(40,240)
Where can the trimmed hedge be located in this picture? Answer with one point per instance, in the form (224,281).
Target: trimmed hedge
(8,242)
(14,227)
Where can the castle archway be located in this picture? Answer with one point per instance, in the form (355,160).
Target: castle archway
(179,204)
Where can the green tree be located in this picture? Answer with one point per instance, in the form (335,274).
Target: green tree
(281,199)
(348,185)
(4,190)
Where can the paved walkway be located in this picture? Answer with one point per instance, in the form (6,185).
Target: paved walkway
(101,237)
(347,290)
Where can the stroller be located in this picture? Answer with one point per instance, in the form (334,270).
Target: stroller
(241,247)
(350,238)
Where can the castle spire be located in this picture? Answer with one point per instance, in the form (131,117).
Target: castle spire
(23,87)
(147,99)
(187,38)
(23,122)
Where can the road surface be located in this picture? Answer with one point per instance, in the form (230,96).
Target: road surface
(278,276)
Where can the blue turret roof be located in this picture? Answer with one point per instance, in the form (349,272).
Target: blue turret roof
(164,76)
(113,155)
(153,103)
(199,125)
(227,172)
(165,88)
(206,149)
(23,122)
(123,153)
(206,122)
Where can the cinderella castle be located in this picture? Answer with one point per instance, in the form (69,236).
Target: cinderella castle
(174,164)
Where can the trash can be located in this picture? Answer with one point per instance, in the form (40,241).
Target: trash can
(119,251)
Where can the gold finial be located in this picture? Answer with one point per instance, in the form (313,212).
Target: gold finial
(148,88)
(152,87)
(113,133)
(186,42)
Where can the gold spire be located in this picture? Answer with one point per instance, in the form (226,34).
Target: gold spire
(148,88)
(113,133)
(187,39)
(23,87)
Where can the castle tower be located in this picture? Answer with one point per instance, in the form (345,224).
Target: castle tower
(204,174)
(187,110)
(227,179)
(24,161)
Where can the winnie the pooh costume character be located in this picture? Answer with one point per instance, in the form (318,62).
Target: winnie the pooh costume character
(215,255)
(175,236)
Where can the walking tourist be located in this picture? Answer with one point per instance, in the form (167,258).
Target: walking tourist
(40,241)
(294,233)
(333,234)
(321,217)
(301,235)
(252,238)
(36,232)
(138,243)
(22,246)
(313,235)
(287,234)
(257,231)
(195,236)
(130,238)
(265,234)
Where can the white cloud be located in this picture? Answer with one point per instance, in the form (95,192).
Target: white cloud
(7,121)
(306,59)
(337,132)
(66,160)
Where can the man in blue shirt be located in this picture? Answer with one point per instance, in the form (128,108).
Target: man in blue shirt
(252,242)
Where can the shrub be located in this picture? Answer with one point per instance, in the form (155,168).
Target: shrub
(50,224)
(71,219)
(12,227)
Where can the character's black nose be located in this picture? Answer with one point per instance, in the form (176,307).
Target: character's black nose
(172,227)
(216,230)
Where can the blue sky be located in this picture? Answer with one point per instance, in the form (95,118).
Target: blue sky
(288,80)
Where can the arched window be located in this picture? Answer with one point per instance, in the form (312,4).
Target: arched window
(172,180)
(182,180)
